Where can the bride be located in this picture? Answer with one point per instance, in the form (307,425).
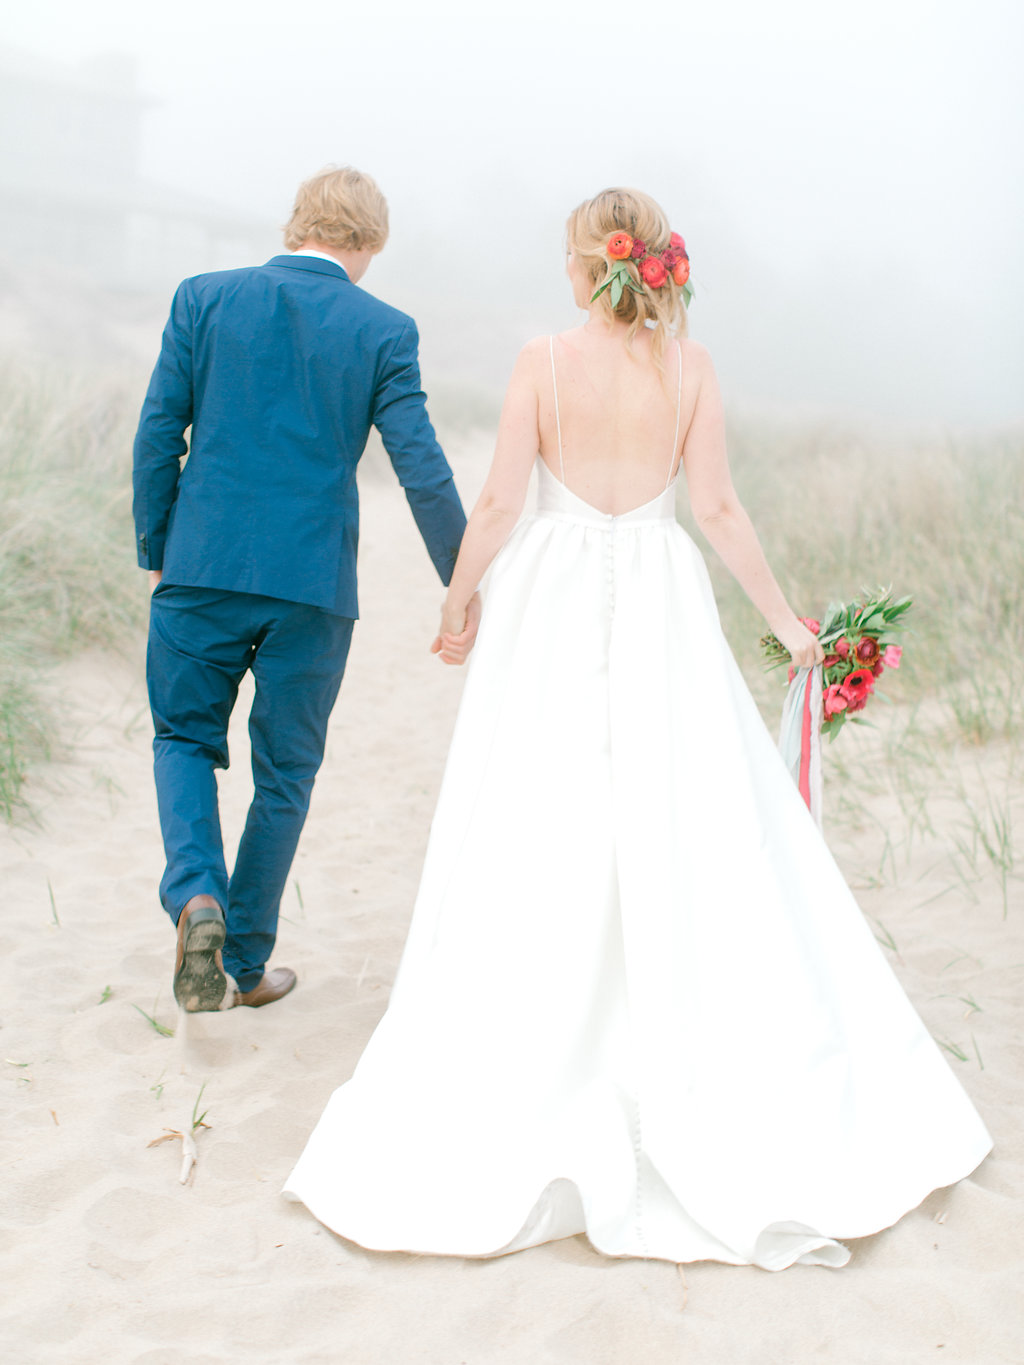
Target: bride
(637,999)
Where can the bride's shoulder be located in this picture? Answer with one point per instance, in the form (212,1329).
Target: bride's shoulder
(533,363)
(535,349)
(698,368)
(696,354)
(539,348)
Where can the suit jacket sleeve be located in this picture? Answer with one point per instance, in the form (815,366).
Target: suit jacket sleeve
(160,440)
(400,415)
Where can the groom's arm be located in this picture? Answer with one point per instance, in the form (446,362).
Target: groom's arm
(160,440)
(400,415)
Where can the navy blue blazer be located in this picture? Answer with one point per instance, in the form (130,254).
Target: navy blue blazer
(281,370)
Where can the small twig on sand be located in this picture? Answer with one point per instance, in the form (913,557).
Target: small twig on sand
(189,1150)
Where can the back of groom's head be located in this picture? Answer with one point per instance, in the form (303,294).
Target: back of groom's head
(341,208)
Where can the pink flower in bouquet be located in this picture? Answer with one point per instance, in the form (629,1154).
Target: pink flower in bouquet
(653,272)
(866,651)
(857,686)
(878,669)
(834,701)
(891,656)
(842,647)
(830,661)
(813,625)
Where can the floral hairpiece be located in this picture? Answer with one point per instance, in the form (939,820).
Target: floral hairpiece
(654,267)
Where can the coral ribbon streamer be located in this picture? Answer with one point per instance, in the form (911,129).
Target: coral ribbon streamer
(800,736)
(805,744)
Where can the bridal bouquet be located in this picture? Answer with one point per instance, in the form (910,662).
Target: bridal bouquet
(860,642)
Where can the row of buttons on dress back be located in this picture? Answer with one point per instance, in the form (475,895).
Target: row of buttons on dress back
(611,542)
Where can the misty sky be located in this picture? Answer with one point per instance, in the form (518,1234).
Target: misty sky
(848,179)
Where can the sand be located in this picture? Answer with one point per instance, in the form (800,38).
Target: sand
(106,1257)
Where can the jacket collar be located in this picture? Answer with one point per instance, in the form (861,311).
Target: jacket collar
(314,263)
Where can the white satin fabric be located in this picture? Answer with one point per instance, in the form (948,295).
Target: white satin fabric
(637,999)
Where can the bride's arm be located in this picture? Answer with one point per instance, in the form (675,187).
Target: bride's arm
(498,507)
(723,520)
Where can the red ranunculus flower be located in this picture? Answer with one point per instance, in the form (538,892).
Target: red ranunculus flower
(812,624)
(639,249)
(620,244)
(681,272)
(670,258)
(891,656)
(842,647)
(653,272)
(866,651)
(857,705)
(830,661)
(677,241)
(834,701)
(857,685)
(878,669)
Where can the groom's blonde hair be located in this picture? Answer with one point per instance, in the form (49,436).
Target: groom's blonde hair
(340,207)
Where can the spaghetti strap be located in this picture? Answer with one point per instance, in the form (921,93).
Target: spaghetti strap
(679,404)
(558,420)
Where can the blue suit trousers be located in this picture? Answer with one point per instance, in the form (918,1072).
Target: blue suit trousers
(201,642)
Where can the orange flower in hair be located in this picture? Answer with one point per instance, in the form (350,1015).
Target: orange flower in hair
(620,245)
(681,272)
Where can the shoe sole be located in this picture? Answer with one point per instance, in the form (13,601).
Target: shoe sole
(200,983)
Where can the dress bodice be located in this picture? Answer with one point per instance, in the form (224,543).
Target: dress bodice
(555,500)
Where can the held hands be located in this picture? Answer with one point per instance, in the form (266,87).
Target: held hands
(802,644)
(155,576)
(458,632)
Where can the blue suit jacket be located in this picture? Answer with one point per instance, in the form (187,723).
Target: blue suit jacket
(281,370)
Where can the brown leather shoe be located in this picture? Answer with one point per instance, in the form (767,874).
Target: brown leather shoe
(274,984)
(200,982)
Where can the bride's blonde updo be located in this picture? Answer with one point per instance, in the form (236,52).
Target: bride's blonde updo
(587,233)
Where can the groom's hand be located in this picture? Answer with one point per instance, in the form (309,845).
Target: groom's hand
(454,645)
(155,576)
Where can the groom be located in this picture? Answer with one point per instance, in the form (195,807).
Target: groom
(280,370)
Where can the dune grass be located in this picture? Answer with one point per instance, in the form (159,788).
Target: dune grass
(67,570)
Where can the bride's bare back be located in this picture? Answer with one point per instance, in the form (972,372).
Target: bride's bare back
(622,421)
(625,428)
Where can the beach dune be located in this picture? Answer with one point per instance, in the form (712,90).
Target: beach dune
(107,1257)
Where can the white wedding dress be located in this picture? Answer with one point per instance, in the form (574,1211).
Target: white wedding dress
(637,999)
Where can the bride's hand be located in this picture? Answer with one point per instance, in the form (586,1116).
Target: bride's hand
(458,632)
(803,646)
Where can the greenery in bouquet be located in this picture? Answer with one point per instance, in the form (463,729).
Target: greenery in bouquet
(860,640)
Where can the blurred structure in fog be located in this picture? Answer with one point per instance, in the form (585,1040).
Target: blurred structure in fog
(70,189)
(90,248)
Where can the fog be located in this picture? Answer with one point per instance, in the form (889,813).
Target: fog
(848,181)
